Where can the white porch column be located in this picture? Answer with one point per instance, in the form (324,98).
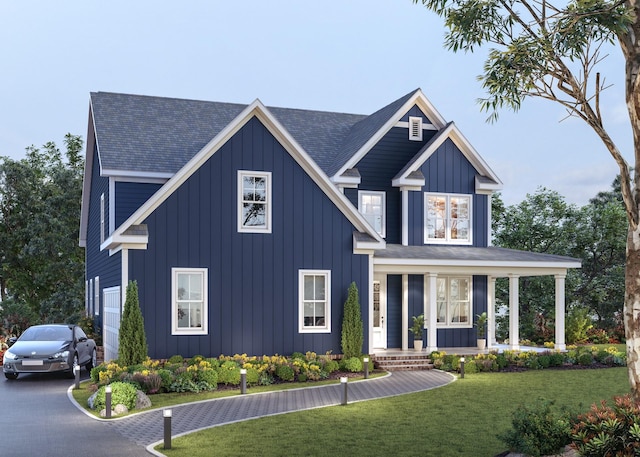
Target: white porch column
(405,312)
(431,311)
(560,312)
(514,313)
(405,217)
(491,311)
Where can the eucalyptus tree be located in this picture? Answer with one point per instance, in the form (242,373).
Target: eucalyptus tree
(552,51)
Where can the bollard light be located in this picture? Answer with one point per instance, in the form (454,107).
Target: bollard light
(243,381)
(461,367)
(366,367)
(107,401)
(166,414)
(343,381)
(76,375)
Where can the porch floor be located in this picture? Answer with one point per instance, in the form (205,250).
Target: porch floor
(464,351)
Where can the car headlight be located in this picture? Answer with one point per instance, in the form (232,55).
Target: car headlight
(10,356)
(61,355)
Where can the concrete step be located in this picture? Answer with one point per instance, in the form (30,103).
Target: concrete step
(409,362)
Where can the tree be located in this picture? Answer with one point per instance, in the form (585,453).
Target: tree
(42,265)
(352,335)
(132,341)
(552,52)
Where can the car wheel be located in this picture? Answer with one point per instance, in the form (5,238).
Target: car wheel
(93,361)
(11,375)
(74,364)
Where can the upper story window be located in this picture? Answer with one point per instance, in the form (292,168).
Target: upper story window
(415,128)
(453,298)
(189,301)
(314,288)
(372,206)
(254,201)
(447,218)
(102,219)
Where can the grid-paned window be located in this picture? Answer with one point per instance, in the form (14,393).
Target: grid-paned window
(254,201)
(453,298)
(189,304)
(447,219)
(372,206)
(315,301)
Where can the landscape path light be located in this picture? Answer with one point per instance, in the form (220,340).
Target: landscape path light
(366,367)
(343,381)
(243,381)
(166,414)
(461,367)
(107,401)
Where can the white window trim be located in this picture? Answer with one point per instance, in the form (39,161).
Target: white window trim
(86,297)
(175,330)
(362,193)
(268,201)
(90,297)
(96,296)
(447,239)
(470,288)
(415,128)
(301,327)
(102,234)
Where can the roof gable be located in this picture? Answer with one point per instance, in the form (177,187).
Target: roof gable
(258,110)
(408,176)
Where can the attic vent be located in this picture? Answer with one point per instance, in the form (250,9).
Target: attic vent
(415,128)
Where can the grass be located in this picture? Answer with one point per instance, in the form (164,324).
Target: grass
(461,419)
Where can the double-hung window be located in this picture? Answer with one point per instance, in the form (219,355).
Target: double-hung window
(189,301)
(314,288)
(254,201)
(447,218)
(453,297)
(372,206)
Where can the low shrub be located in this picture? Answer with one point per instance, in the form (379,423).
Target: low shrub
(122,393)
(538,429)
(353,364)
(609,430)
(229,373)
(285,372)
(176,359)
(331,365)
(585,359)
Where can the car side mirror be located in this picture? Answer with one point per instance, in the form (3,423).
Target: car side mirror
(82,339)
(11,341)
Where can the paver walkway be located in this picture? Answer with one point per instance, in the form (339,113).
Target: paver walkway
(147,428)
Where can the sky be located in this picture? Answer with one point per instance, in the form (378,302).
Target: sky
(351,56)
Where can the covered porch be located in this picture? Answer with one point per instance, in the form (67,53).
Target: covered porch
(444,326)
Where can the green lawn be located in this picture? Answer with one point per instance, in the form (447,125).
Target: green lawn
(461,419)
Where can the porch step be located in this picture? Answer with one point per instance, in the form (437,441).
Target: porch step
(404,362)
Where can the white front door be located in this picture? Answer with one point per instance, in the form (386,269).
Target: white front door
(379,312)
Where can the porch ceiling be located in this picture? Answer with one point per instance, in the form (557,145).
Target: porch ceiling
(492,261)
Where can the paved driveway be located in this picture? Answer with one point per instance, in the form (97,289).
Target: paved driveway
(37,419)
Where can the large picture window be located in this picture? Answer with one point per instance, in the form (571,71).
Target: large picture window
(254,201)
(189,302)
(447,219)
(372,206)
(315,301)
(453,297)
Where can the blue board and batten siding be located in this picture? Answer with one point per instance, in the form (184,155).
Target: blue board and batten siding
(449,171)
(130,196)
(252,278)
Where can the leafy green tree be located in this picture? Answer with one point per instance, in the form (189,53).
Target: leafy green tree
(132,341)
(42,267)
(552,51)
(352,333)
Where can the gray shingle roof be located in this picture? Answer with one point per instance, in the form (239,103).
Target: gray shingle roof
(144,134)
(469,253)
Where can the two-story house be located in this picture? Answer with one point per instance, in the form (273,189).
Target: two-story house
(244,225)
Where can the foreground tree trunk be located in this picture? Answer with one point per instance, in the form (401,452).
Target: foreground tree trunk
(632,310)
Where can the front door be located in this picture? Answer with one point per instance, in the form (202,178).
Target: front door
(379,312)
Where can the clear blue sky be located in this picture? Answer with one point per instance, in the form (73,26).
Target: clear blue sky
(349,56)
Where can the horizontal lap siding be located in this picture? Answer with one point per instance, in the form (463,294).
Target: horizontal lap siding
(99,263)
(253,278)
(130,196)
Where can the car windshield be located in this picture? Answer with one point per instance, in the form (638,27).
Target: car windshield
(47,334)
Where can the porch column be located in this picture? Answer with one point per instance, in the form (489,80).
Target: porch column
(405,217)
(514,313)
(560,310)
(405,312)
(431,311)
(491,311)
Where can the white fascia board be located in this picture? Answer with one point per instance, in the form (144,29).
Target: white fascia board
(417,99)
(368,245)
(487,188)
(120,240)
(472,155)
(351,182)
(258,110)
(409,184)
(86,179)
(134,176)
(535,268)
